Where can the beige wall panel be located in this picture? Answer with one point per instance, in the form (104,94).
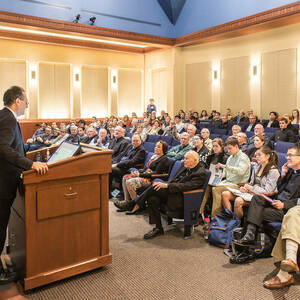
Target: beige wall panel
(94,101)
(279,81)
(235,84)
(198,89)
(54,90)
(160,89)
(11,73)
(130,92)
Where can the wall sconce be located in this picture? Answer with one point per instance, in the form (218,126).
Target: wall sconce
(114,79)
(254,70)
(77,77)
(215,74)
(33,75)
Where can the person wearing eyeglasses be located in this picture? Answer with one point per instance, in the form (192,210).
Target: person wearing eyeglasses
(261,210)
(12,160)
(179,151)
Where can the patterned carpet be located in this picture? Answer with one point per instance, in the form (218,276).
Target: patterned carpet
(167,267)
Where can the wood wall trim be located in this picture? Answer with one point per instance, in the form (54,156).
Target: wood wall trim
(270,19)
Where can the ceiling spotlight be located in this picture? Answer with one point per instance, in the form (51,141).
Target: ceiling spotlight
(77,18)
(92,20)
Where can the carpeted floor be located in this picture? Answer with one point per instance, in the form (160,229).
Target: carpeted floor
(166,267)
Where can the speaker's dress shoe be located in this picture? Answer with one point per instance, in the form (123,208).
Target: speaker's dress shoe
(7,277)
(153,233)
(275,283)
(288,265)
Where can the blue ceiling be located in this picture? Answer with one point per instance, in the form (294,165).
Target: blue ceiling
(168,18)
(172,8)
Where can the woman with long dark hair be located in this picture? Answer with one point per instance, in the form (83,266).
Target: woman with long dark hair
(263,180)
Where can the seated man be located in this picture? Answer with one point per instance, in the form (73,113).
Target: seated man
(252,122)
(103,140)
(189,177)
(40,131)
(171,130)
(236,171)
(179,151)
(191,130)
(225,123)
(286,248)
(41,141)
(81,133)
(118,144)
(92,136)
(288,194)
(73,137)
(133,157)
(272,122)
(284,134)
(205,133)
(258,130)
(242,139)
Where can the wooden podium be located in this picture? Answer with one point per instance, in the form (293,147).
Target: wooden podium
(60,226)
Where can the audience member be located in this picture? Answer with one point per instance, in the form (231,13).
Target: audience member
(91,137)
(171,130)
(81,133)
(151,106)
(61,137)
(263,180)
(103,140)
(236,171)
(203,115)
(118,144)
(207,141)
(132,157)
(258,141)
(158,164)
(290,125)
(179,151)
(252,123)
(242,139)
(228,113)
(225,123)
(198,146)
(295,117)
(285,250)
(284,134)
(236,129)
(272,122)
(288,194)
(73,136)
(40,130)
(189,177)
(179,123)
(240,117)
(156,128)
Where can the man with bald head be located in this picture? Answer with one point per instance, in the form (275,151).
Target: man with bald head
(258,130)
(190,176)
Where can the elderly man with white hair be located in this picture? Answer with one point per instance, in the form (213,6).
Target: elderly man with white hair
(118,144)
(258,130)
(189,177)
(179,151)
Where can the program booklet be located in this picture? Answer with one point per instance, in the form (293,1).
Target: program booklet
(246,196)
(216,175)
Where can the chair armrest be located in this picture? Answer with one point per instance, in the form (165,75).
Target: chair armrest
(159,175)
(194,191)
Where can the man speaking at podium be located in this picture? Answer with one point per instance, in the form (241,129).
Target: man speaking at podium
(12,160)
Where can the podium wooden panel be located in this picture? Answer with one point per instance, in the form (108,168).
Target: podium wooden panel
(60,226)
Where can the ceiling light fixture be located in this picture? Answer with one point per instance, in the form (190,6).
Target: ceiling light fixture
(72,37)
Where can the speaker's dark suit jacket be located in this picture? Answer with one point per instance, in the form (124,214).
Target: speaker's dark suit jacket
(12,154)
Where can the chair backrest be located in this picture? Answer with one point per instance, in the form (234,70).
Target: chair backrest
(270,129)
(176,166)
(249,133)
(220,131)
(167,139)
(149,146)
(283,147)
(128,134)
(214,135)
(174,143)
(281,159)
(225,137)
(153,138)
(149,155)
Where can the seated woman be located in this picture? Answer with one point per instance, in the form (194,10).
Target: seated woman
(259,141)
(263,180)
(198,146)
(155,128)
(158,164)
(218,155)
